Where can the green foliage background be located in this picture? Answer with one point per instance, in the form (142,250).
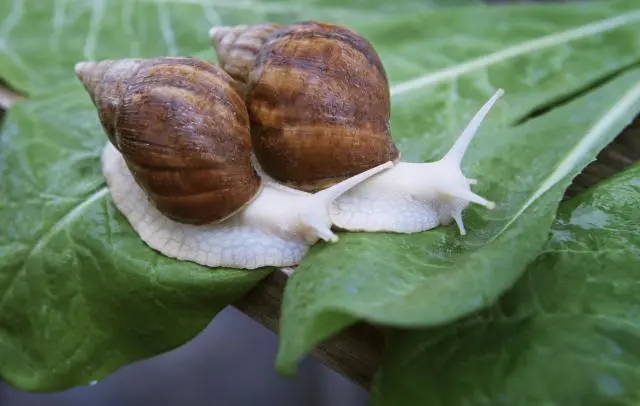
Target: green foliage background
(81,295)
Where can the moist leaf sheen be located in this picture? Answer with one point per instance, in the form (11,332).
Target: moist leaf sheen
(437,276)
(568,333)
(80,295)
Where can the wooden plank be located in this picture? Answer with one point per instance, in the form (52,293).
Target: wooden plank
(8,97)
(354,353)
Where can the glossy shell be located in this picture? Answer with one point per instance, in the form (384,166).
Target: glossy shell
(319,106)
(183,131)
(237,46)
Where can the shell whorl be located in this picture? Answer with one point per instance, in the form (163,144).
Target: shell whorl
(105,83)
(237,46)
(183,131)
(319,105)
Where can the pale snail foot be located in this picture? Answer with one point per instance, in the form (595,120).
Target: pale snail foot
(383,203)
(276,229)
(415,197)
(229,244)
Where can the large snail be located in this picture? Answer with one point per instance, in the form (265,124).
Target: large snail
(178,165)
(319,105)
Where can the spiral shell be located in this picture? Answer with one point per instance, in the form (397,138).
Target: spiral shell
(237,46)
(319,105)
(183,131)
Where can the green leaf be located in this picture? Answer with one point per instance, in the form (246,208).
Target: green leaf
(568,333)
(80,294)
(40,41)
(437,276)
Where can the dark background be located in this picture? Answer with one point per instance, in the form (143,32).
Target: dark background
(230,363)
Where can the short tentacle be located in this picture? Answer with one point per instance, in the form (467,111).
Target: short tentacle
(471,197)
(317,216)
(457,217)
(332,193)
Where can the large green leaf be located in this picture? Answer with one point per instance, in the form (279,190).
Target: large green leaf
(80,294)
(568,333)
(40,41)
(437,276)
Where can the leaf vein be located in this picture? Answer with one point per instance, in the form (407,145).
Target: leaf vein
(167,30)
(577,152)
(94,27)
(12,19)
(514,51)
(46,236)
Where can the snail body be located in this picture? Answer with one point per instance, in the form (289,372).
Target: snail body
(318,101)
(178,164)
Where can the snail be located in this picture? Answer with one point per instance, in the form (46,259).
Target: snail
(178,165)
(319,104)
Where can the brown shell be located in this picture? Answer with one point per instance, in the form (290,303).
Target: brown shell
(237,46)
(184,133)
(319,105)
(105,83)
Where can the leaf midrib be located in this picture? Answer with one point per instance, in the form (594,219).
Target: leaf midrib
(47,235)
(513,51)
(276,7)
(597,131)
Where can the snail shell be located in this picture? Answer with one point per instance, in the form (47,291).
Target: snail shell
(318,101)
(192,159)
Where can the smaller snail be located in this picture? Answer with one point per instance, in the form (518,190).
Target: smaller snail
(178,165)
(319,104)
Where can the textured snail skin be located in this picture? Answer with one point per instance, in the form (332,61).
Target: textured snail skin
(318,102)
(414,197)
(231,244)
(165,143)
(276,229)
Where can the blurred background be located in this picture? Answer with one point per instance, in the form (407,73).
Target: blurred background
(230,363)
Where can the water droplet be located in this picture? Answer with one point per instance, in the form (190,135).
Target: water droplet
(589,218)
(609,385)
